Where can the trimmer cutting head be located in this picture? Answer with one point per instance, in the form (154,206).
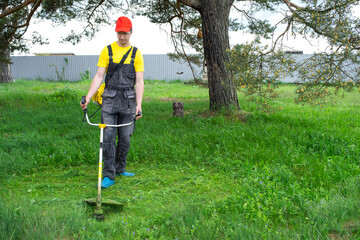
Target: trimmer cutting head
(92,202)
(107,204)
(99,214)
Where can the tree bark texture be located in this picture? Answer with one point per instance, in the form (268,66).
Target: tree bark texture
(5,69)
(215,27)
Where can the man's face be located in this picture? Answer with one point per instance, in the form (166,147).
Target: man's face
(124,37)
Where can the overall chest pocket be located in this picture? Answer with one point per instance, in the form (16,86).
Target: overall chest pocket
(129,75)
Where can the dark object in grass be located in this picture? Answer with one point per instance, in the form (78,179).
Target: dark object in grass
(178,108)
(99,217)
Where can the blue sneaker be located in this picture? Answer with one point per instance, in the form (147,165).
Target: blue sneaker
(107,182)
(126,174)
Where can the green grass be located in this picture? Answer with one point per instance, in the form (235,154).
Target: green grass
(291,175)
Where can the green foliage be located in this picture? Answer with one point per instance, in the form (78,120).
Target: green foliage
(323,76)
(257,71)
(60,75)
(85,76)
(63,95)
(333,20)
(261,28)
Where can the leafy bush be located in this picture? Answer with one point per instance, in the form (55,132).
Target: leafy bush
(62,95)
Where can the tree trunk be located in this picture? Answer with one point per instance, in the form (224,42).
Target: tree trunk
(215,27)
(5,68)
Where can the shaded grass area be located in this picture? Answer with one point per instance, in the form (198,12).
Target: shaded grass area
(292,175)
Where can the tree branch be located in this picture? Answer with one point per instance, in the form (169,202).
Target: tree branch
(16,8)
(191,3)
(31,14)
(282,34)
(291,5)
(93,11)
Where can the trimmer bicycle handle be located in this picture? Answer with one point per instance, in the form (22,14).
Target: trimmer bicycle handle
(83,101)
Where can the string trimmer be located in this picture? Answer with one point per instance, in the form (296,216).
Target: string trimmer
(99,213)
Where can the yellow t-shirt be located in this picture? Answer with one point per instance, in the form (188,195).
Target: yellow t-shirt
(118,53)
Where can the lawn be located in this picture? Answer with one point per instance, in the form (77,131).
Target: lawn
(290,175)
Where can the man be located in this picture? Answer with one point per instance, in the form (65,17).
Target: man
(123,65)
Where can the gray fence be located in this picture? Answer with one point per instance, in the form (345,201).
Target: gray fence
(157,67)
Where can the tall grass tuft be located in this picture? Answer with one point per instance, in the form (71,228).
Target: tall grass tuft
(34,221)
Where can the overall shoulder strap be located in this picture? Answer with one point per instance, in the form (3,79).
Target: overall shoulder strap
(133,55)
(124,57)
(110,53)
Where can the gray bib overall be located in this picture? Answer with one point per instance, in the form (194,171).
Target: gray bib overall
(118,107)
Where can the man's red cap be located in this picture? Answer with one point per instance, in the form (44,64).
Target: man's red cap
(123,24)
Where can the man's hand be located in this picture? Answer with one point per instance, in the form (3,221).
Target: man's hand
(84,103)
(138,113)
